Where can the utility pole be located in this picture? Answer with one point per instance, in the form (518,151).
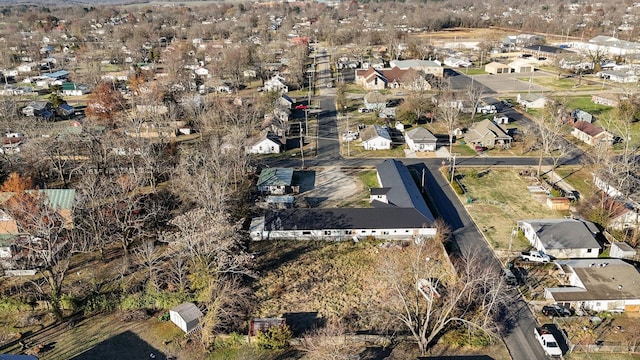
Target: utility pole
(347,133)
(306,122)
(453,167)
(301,145)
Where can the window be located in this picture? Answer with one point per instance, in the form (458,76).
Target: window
(373,232)
(327,232)
(306,233)
(385,233)
(589,250)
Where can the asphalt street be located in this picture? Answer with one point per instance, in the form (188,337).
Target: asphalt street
(519,322)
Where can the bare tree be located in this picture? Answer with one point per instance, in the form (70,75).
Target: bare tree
(46,241)
(228,304)
(474,93)
(427,297)
(149,256)
(549,128)
(448,111)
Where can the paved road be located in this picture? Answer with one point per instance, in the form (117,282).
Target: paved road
(519,321)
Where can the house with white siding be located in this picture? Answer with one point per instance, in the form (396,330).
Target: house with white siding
(562,238)
(376,138)
(597,285)
(399,213)
(420,139)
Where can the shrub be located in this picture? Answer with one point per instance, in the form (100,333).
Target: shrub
(275,338)
(457,188)
(555,192)
(233,340)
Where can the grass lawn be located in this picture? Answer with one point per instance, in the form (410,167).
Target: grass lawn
(578,177)
(500,199)
(473,71)
(357,150)
(584,103)
(553,83)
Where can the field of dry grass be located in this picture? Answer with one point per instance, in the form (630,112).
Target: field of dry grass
(499,199)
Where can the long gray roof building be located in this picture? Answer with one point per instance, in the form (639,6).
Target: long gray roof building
(403,191)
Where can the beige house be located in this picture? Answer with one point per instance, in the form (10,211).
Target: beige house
(497,68)
(591,134)
(487,134)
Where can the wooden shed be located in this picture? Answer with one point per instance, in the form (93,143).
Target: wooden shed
(497,68)
(262,325)
(558,203)
(186,316)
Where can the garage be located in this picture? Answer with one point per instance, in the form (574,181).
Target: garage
(521,67)
(495,68)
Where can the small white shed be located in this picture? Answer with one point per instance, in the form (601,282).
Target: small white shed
(622,250)
(186,316)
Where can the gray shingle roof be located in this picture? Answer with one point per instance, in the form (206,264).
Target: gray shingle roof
(404,192)
(563,234)
(190,313)
(421,135)
(344,219)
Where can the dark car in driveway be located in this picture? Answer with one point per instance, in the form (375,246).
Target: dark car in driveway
(555,310)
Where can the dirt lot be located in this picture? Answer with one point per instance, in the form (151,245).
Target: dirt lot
(331,186)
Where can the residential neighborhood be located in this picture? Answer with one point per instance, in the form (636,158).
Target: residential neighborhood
(319,180)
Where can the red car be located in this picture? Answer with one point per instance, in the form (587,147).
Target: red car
(301,107)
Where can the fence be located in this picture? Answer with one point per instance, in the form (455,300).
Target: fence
(599,347)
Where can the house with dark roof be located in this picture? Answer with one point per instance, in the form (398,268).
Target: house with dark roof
(341,224)
(597,285)
(545,51)
(276,181)
(487,134)
(378,79)
(562,238)
(420,139)
(399,212)
(41,109)
(591,134)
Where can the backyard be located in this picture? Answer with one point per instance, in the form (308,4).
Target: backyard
(499,199)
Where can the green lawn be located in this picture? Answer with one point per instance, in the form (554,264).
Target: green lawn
(553,83)
(473,71)
(584,103)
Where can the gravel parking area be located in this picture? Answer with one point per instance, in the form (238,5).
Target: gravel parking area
(332,186)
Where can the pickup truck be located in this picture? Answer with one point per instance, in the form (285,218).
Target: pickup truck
(548,342)
(535,256)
